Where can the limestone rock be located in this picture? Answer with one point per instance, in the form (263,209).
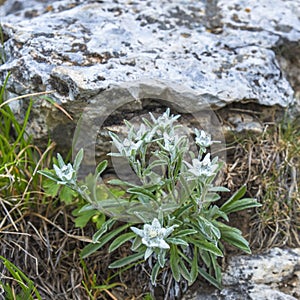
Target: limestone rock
(222,52)
(270,275)
(271,268)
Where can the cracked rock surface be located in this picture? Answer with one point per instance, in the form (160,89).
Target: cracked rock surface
(221,51)
(270,275)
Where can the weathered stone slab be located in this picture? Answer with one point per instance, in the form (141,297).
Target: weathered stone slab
(271,275)
(263,269)
(221,51)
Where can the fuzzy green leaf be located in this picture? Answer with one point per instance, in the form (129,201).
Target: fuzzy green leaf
(185,272)
(218,189)
(97,235)
(91,248)
(235,197)
(126,260)
(60,161)
(214,213)
(49,175)
(157,162)
(86,207)
(194,269)
(154,273)
(174,260)
(205,257)
(120,240)
(119,182)
(177,241)
(78,160)
(208,228)
(217,268)
(184,232)
(207,246)
(148,253)
(161,258)
(209,278)
(241,204)
(212,197)
(101,167)
(142,192)
(136,243)
(182,210)
(236,239)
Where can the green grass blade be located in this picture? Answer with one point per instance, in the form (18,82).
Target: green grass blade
(21,130)
(24,282)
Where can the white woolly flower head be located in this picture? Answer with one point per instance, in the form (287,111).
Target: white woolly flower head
(65,173)
(203,140)
(153,234)
(206,167)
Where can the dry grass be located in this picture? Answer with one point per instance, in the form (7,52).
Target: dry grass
(40,238)
(40,249)
(270,165)
(46,246)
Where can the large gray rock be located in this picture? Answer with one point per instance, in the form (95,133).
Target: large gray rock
(221,52)
(268,276)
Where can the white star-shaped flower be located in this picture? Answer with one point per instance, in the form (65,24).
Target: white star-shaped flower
(153,235)
(203,140)
(66,174)
(206,167)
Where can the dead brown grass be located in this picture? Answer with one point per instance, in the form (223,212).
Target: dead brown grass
(270,166)
(46,246)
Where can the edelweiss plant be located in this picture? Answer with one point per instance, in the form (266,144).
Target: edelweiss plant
(153,236)
(170,216)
